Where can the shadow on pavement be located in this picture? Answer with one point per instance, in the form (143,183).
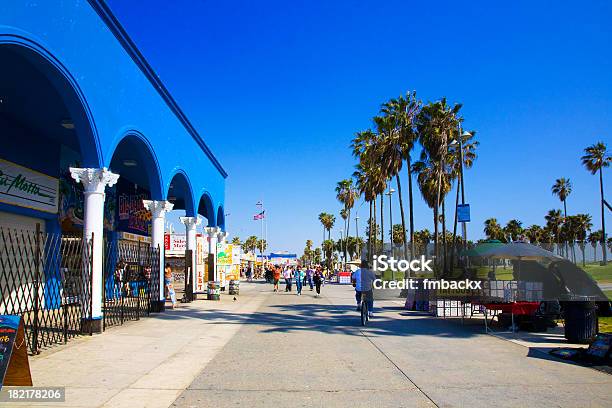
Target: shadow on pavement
(330,318)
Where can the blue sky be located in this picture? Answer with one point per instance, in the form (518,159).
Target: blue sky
(278,89)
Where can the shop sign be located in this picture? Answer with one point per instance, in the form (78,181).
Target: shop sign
(175,244)
(27,188)
(228,254)
(135,237)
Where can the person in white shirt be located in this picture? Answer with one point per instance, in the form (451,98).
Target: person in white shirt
(288,275)
(363,279)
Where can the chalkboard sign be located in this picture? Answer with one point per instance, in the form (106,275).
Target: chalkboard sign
(14,365)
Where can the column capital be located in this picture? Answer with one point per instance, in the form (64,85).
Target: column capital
(190,222)
(222,236)
(94,180)
(158,207)
(212,231)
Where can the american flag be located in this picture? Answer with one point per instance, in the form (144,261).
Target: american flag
(260,216)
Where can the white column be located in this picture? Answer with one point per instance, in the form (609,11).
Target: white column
(158,218)
(213,234)
(222,237)
(94,183)
(190,225)
(213,238)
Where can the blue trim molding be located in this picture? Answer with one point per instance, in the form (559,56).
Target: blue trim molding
(106,14)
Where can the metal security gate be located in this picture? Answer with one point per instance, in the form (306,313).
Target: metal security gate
(46,278)
(131,281)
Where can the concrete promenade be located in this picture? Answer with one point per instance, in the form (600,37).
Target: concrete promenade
(280,350)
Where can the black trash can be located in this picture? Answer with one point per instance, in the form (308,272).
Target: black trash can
(580,321)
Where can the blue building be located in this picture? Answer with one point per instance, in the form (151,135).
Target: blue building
(88,132)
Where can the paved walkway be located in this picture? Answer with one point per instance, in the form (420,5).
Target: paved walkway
(147,363)
(303,351)
(281,350)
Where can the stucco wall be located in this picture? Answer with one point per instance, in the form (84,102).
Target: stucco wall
(119,97)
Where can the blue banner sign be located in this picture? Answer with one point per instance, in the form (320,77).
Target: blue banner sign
(463,213)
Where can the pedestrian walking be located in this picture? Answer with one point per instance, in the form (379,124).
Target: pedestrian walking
(318,280)
(308,277)
(276,277)
(299,280)
(287,274)
(168,284)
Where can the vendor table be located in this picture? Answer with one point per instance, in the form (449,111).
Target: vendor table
(514,308)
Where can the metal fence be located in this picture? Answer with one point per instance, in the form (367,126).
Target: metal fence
(131,281)
(46,278)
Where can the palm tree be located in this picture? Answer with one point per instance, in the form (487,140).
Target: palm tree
(250,244)
(562,188)
(554,220)
(493,230)
(514,229)
(595,159)
(236,241)
(583,224)
(436,124)
(346,193)
(402,112)
(367,173)
(428,172)
(399,234)
(328,250)
(422,238)
(317,255)
(308,251)
(594,238)
(262,245)
(534,234)
(328,221)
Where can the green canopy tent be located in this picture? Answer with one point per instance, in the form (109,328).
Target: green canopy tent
(482,247)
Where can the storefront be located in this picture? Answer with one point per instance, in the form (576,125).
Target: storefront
(93,146)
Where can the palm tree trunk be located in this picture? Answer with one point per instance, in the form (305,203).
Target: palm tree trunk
(437,259)
(410,205)
(373,230)
(401,204)
(436,238)
(435,254)
(446,267)
(370,234)
(603,221)
(382,223)
(567,253)
(348,226)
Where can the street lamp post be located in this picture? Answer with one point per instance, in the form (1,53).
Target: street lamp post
(463,225)
(390,193)
(459,143)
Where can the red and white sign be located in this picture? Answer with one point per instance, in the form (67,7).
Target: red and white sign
(175,244)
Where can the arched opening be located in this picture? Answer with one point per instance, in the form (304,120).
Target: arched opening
(207,210)
(134,160)
(221,218)
(181,194)
(45,128)
(129,227)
